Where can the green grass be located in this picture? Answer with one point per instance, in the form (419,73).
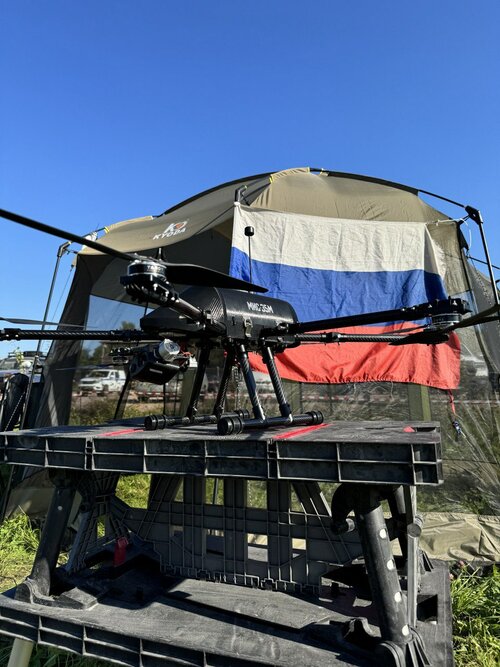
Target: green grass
(476,618)
(18,544)
(475,598)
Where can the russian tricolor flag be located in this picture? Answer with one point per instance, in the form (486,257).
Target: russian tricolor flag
(330,267)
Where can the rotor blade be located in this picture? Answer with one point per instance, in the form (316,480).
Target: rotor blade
(91,367)
(62,234)
(186,274)
(425,337)
(192,274)
(14,320)
(435,334)
(488,315)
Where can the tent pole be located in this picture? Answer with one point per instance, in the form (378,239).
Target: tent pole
(419,402)
(63,248)
(478,219)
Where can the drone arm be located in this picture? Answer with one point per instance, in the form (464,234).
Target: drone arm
(187,309)
(436,308)
(336,337)
(61,334)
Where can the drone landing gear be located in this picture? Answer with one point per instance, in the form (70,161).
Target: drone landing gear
(229,424)
(240,420)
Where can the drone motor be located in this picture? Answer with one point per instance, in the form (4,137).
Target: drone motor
(146,279)
(449,312)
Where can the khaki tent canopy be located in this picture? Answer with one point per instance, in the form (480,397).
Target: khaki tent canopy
(199,231)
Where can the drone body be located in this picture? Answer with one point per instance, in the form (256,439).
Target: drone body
(227,314)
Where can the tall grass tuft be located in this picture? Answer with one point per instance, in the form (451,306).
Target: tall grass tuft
(18,545)
(476,618)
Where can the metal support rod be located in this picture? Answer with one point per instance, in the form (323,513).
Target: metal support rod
(159,422)
(397,506)
(63,248)
(407,314)
(185,308)
(192,408)
(237,423)
(20,654)
(258,410)
(478,219)
(335,337)
(414,529)
(284,406)
(224,382)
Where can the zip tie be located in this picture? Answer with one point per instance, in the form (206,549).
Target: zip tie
(454,422)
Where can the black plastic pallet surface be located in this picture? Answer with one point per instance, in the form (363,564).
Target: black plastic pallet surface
(195,623)
(378,452)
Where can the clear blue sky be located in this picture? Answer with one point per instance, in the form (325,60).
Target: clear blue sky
(121,108)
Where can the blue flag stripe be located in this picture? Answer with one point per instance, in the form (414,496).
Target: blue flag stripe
(317,294)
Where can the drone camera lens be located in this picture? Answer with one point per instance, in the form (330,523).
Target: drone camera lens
(168,350)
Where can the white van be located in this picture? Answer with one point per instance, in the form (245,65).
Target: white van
(102,381)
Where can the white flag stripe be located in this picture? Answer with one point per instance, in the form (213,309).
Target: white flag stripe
(335,244)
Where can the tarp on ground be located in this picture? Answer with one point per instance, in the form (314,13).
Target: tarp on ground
(201,231)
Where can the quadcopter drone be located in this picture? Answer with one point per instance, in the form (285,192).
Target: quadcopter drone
(219,311)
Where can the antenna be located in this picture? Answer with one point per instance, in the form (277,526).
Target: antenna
(249,232)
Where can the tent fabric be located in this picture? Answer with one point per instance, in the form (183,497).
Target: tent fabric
(353,266)
(292,190)
(346,196)
(198,215)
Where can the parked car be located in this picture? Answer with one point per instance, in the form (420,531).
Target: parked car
(14,364)
(145,392)
(102,381)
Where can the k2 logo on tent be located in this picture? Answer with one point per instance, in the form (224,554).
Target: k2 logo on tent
(173,229)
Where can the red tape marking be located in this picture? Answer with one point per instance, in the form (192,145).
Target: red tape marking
(127,430)
(300,431)
(120,552)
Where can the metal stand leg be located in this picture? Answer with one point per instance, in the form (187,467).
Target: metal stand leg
(400,645)
(155,422)
(39,581)
(381,567)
